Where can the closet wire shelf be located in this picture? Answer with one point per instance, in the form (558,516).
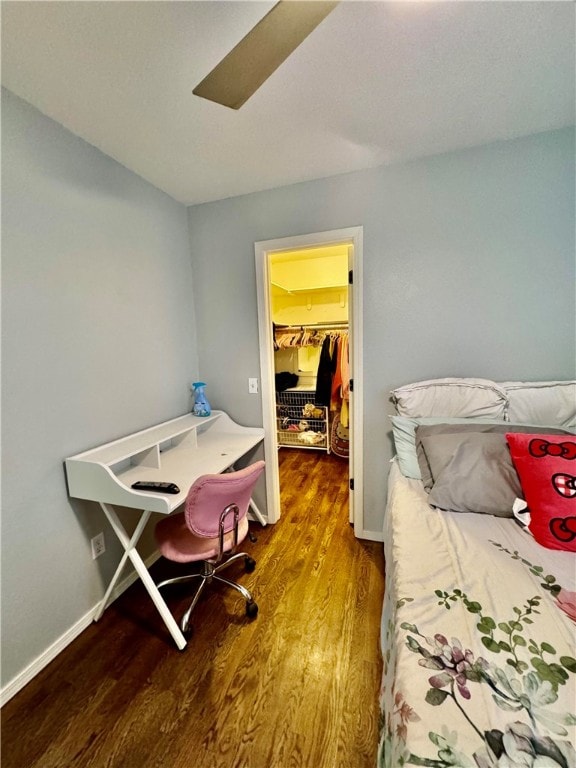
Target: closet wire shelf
(301,423)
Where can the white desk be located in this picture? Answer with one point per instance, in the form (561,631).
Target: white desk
(177,451)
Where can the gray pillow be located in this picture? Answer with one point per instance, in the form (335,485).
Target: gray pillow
(404,432)
(442,457)
(472,470)
(472,473)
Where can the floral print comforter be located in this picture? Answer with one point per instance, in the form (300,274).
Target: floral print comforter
(478,639)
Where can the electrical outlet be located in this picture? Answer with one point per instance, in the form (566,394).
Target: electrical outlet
(253,386)
(98,545)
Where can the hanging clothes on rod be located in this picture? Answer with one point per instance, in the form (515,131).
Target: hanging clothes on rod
(326,368)
(313,334)
(340,394)
(333,377)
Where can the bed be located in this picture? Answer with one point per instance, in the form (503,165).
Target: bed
(479,619)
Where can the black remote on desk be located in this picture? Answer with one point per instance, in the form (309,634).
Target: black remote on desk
(150,485)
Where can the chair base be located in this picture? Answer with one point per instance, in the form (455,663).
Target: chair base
(210,571)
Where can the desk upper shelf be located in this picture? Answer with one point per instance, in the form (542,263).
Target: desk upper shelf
(176,451)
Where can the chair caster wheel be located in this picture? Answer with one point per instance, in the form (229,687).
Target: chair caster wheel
(249,564)
(251,610)
(187,632)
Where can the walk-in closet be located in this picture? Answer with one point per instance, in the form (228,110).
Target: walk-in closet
(310,315)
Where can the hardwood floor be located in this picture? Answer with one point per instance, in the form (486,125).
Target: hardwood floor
(295,688)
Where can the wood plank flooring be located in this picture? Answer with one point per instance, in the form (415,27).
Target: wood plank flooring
(295,688)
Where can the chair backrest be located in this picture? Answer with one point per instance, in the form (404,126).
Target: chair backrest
(209,495)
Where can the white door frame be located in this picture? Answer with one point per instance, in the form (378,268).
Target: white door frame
(351,236)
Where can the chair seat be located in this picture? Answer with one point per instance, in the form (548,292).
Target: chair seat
(176,542)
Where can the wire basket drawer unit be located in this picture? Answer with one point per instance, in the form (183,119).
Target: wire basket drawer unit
(300,422)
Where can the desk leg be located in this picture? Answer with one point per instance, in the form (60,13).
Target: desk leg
(257,514)
(131,552)
(127,543)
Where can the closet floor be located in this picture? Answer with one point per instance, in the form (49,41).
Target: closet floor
(295,688)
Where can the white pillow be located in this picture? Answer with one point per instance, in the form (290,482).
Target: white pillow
(541,402)
(453,397)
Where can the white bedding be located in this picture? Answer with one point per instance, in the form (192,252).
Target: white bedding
(478,641)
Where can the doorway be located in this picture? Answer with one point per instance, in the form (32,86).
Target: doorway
(311,250)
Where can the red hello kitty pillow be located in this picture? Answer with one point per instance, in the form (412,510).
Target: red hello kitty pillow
(546,465)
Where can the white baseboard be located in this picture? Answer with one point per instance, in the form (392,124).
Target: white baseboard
(41,661)
(372,535)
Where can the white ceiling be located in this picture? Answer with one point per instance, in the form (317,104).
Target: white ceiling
(375,83)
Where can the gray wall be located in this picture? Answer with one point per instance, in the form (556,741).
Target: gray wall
(468,271)
(98,340)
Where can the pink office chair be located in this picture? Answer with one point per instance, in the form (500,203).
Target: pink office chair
(213,523)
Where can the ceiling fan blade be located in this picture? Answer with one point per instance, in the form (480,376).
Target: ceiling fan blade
(261,52)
